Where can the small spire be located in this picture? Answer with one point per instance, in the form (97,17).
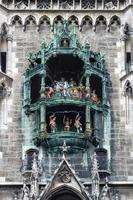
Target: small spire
(94,165)
(105,190)
(95,178)
(34,177)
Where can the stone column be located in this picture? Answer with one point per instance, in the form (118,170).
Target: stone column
(27,97)
(118,4)
(102,4)
(35,4)
(27,89)
(42,119)
(0,51)
(123,54)
(80,4)
(29,4)
(96,4)
(131,67)
(9,55)
(13,4)
(51,5)
(104,92)
(42,106)
(88,128)
(73,4)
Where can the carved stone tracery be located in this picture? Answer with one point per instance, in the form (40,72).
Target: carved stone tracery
(66,4)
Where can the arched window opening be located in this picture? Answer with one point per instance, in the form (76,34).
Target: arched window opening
(35,88)
(96,88)
(30,23)
(44,23)
(128,91)
(101,24)
(86,23)
(128,56)
(3,47)
(102,158)
(16,20)
(65,193)
(97,124)
(115,23)
(64,66)
(29,156)
(58,20)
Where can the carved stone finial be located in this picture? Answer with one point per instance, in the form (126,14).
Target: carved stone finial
(64,149)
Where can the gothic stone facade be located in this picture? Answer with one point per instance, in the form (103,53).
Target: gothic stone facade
(107,27)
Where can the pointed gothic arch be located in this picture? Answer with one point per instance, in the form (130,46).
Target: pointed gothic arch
(16,20)
(44,19)
(58,19)
(101,23)
(73,19)
(88,19)
(128,90)
(30,20)
(114,23)
(65,192)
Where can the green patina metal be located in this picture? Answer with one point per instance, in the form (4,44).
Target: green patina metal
(65,42)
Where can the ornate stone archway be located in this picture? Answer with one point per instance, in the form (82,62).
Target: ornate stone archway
(65,193)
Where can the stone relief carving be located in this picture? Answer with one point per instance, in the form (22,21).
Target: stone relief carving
(65,175)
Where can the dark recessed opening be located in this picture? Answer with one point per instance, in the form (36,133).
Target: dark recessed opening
(96,85)
(62,113)
(102,157)
(64,194)
(65,66)
(3,62)
(35,88)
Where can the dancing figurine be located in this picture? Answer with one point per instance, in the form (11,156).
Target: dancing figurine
(52,123)
(66,89)
(78,124)
(67,122)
